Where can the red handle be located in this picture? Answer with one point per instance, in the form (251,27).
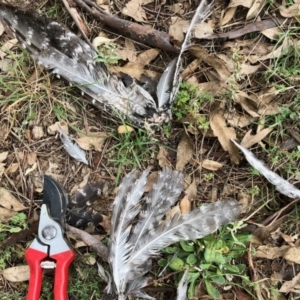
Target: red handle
(63,261)
(34,258)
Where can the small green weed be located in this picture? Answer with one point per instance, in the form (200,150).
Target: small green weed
(15,224)
(210,259)
(108,54)
(188,104)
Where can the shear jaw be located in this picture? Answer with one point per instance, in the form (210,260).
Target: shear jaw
(50,233)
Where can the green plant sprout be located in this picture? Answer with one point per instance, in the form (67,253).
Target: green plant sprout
(210,260)
(188,105)
(108,54)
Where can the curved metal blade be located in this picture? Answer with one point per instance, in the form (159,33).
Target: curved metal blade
(55,198)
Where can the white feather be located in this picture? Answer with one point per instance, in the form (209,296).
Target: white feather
(141,232)
(199,17)
(119,246)
(72,148)
(165,83)
(182,286)
(281,185)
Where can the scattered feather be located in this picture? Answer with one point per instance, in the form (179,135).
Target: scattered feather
(139,229)
(165,83)
(199,17)
(72,148)
(281,185)
(182,286)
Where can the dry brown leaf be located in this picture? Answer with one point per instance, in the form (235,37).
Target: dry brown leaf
(29,170)
(291,11)
(11,169)
(185,205)
(201,31)
(211,60)
(177,28)
(212,87)
(6,214)
(146,57)
(52,129)
(272,33)
(249,140)
(230,12)
(224,135)
(237,120)
(191,191)
(255,9)
(16,274)
(3,156)
(135,70)
(293,254)
(245,3)
(245,200)
(247,69)
(190,69)
(291,286)
(1,28)
(134,9)
(211,165)
(2,169)
(269,252)
(4,50)
(9,201)
(162,157)
(94,140)
(247,102)
(184,151)
(31,158)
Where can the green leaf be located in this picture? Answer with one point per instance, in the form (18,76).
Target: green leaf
(218,279)
(176,264)
(171,250)
(187,246)
(211,290)
(192,259)
(204,266)
(162,262)
(191,289)
(192,276)
(15,229)
(233,269)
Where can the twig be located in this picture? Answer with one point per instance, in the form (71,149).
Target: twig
(91,241)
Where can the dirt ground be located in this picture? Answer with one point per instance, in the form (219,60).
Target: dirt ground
(240,82)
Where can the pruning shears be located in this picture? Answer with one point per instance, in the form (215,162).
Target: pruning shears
(50,250)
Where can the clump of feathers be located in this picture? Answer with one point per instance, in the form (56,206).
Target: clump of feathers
(60,51)
(139,228)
